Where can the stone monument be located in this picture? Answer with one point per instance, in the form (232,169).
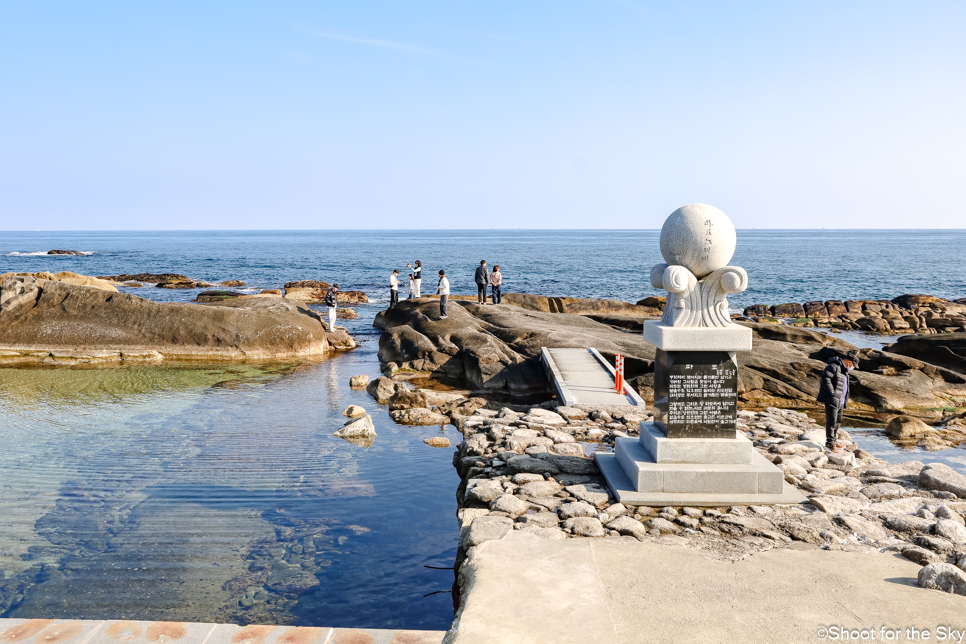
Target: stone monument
(692,454)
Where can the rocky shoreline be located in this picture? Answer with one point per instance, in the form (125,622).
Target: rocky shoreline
(528,473)
(917,313)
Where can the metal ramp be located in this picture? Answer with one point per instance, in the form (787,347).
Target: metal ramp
(584,377)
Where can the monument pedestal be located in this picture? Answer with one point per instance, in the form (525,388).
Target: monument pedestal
(655,470)
(692,454)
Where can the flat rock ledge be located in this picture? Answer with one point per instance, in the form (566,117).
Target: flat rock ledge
(55,322)
(526,475)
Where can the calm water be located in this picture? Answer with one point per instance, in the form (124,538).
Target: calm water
(783,266)
(217,493)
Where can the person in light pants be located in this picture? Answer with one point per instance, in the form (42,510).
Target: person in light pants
(417,277)
(332,301)
(442,290)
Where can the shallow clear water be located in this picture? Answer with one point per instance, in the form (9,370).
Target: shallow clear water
(876,442)
(217,493)
(180,492)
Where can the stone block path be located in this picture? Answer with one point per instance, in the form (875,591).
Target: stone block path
(77,631)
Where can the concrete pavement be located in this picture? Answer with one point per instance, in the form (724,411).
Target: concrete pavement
(579,591)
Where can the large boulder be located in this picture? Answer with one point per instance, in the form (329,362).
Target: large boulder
(943,576)
(908,427)
(43,321)
(947,350)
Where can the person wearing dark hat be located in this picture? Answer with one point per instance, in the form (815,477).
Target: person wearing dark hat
(833,392)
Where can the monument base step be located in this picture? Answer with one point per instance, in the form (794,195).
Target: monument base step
(757,475)
(622,488)
(731,451)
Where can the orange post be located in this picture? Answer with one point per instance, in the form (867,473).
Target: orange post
(619,373)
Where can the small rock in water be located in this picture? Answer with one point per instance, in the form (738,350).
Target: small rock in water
(353,411)
(359,382)
(357,428)
(437,441)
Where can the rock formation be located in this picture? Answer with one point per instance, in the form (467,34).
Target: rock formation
(497,349)
(947,350)
(923,314)
(313,292)
(68,278)
(44,321)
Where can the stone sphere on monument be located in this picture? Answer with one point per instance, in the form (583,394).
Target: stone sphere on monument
(698,237)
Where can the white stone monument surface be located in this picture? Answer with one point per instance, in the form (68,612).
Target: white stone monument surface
(691,454)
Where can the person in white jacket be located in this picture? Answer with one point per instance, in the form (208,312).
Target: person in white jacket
(394,288)
(442,290)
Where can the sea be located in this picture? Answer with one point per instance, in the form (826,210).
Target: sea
(217,493)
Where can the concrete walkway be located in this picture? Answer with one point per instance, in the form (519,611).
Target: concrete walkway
(584,377)
(621,591)
(76,631)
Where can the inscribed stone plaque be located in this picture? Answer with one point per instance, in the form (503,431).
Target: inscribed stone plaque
(695,394)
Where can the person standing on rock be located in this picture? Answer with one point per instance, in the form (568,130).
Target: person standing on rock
(332,301)
(496,282)
(394,288)
(833,392)
(412,287)
(482,278)
(442,290)
(417,276)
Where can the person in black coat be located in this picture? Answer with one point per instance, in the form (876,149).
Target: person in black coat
(332,301)
(833,392)
(482,279)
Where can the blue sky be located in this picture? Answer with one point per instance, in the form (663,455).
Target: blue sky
(489,114)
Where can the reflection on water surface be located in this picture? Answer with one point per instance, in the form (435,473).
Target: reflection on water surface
(217,493)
